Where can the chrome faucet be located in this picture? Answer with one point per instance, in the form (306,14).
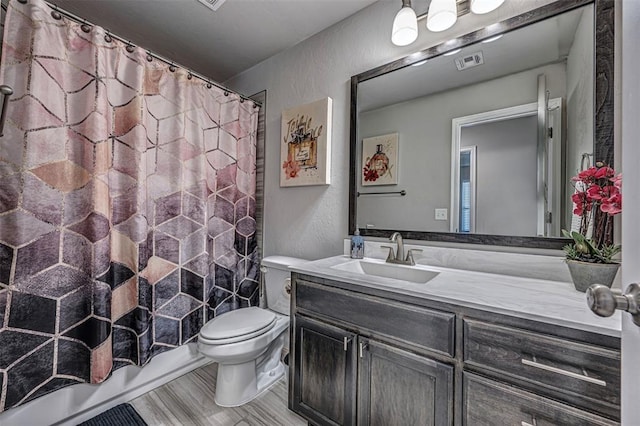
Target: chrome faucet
(398,257)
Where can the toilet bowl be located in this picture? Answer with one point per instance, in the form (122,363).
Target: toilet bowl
(247,343)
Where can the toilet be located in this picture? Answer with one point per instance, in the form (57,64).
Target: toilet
(247,343)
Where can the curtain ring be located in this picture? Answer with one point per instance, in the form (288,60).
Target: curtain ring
(209,86)
(255,105)
(22,1)
(172,68)
(149,57)
(107,37)
(241,100)
(85,27)
(130,48)
(189,76)
(226,93)
(54,13)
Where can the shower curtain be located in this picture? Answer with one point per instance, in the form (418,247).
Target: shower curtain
(127,205)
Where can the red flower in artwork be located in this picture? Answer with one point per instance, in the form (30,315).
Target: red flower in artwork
(370,174)
(291,168)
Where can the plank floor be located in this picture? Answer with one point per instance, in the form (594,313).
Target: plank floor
(188,400)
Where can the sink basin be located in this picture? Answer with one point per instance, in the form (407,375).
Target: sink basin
(414,274)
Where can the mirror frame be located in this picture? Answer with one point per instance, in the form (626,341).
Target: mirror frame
(604,16)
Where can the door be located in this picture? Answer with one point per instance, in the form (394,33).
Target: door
(324,372)
(631,193)
(396,387)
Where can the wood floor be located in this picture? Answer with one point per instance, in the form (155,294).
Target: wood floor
(188,400)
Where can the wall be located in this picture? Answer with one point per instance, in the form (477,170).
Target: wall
(311,222)
(506,202)
(424,164)
(579,102)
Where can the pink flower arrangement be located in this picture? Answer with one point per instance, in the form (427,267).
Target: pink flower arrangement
(596,200)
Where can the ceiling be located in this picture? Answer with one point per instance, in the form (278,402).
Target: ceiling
(220,44)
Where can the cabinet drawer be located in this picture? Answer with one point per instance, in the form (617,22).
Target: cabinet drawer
(582,374)
(487,402)
(430,329)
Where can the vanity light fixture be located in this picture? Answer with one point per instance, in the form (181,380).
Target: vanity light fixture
(442,15)
(480,7)
(405,25)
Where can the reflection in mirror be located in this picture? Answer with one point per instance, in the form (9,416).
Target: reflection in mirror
(488,136)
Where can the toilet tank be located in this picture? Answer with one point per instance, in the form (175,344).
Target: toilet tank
(276,278)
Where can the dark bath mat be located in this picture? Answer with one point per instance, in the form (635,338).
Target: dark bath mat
(120,415)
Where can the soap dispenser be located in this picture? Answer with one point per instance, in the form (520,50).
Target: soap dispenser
(357,245)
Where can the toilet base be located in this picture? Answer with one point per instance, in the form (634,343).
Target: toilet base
(237,384)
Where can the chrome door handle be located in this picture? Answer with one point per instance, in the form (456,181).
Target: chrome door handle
(604,302)
(346,341)
(362,348)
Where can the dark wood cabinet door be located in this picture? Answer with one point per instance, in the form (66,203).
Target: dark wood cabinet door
(324,372)
(397,387)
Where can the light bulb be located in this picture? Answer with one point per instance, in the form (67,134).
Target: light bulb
(485,6)
(405,27)
(442,15)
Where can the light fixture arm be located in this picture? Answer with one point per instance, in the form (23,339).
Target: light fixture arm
(406,3)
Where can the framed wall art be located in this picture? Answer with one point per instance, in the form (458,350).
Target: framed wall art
(380,160)
(305,150)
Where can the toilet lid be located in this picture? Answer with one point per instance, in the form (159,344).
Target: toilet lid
(238,323)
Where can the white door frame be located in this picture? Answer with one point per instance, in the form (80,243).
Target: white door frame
(630,90)
(525,110)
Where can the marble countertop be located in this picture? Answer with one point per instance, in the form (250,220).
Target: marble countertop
(553,302)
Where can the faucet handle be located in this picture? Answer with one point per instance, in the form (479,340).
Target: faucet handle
(391,255)
(409,258)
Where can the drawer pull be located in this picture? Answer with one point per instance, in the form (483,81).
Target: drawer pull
(571,374)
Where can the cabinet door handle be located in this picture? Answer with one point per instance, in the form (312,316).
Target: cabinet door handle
(362,347)
(571,374)
(346,341)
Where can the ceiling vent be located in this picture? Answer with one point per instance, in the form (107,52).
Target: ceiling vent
(212,4)
(469,61)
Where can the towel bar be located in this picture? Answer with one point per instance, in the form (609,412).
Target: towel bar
(402,193)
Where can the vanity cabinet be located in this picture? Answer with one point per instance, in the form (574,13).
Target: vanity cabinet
(370,356)
(340,337)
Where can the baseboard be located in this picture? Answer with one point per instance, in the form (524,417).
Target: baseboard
(75,404)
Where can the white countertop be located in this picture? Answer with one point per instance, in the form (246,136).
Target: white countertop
(552,302)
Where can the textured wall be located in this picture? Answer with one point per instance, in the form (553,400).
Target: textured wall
(311,222)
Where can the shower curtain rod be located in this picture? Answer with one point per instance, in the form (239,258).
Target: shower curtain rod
(57,13)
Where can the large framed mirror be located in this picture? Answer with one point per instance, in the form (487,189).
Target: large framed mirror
(475,140)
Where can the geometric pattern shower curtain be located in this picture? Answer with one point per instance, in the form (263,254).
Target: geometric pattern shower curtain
(127,205)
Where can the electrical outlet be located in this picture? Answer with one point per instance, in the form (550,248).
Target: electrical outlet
(441,214)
